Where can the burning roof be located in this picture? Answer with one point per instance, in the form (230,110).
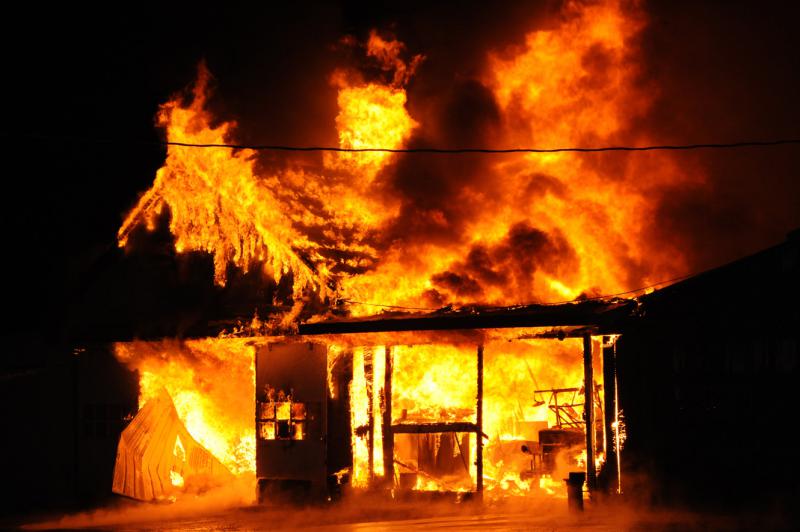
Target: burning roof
(430,231)
(573,319)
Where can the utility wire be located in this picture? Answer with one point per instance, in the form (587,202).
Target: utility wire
(661,147)
(454,151)
(278,147)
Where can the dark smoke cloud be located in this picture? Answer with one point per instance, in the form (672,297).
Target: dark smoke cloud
(726,72)
(510,266)
(434,188)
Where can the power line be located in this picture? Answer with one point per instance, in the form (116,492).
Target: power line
(658,147)
(430,150)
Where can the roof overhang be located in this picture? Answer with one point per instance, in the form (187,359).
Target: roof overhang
(561,320)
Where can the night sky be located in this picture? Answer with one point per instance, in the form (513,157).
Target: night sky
(727,72)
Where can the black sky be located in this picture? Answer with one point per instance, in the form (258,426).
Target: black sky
(726,71)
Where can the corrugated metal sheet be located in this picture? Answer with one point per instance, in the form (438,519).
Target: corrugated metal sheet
(157,458)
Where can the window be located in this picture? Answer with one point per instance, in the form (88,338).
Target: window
(281,420)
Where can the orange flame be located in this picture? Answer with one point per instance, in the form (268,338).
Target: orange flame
(216,201)
(541,227)
(212,383)
(549,227)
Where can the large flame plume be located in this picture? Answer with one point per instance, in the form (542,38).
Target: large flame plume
(537,227)
(428,231)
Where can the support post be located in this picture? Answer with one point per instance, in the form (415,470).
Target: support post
(388,435)
(611,467)
(588,413)
(479,423)
(369,378)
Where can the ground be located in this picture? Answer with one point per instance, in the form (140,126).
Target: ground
(365,513)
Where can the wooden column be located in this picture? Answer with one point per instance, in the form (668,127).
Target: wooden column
(479,423)
(388,435)
(588,412)
(610,469)
(369,378)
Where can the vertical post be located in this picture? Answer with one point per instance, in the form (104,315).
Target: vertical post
(588,412)
(558,410)
(76,429)
(610,469)
(369,377)
(479,423)
(388,436)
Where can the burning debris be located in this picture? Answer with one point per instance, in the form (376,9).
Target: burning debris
(157,458)
(402,415)
(211,382)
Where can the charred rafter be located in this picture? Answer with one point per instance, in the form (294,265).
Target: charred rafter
(604,316)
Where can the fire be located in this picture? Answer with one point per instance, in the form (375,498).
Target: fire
(434,383)
(359,398)
(180,453)
(216,202)
(371,115)
(212,384)
(438,383)
(533,228)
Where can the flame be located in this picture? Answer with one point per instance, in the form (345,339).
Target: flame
(540,227)
(438,383)
(178,451)
(371,115)
(544,227)
(434,383)
(212,384)
(216,201)
(359,419)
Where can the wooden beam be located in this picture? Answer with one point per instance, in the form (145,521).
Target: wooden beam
(588,413)
(610,468)
(369,376)
(479,423)
(603,315)
(433,428)
(387,429)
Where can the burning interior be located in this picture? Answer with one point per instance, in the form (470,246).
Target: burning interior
(496,411)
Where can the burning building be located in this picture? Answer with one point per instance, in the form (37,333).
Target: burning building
(319,322)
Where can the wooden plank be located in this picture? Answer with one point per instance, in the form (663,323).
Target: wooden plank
(433,428)
(368,377)
(387,432)
(610,468)
(588,412)
(603,315)
(479,423)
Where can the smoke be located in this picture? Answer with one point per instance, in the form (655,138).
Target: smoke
(238,493)
(226,509)
(514,262)
(726,77)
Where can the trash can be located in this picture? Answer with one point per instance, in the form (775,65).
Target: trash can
(575,491)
